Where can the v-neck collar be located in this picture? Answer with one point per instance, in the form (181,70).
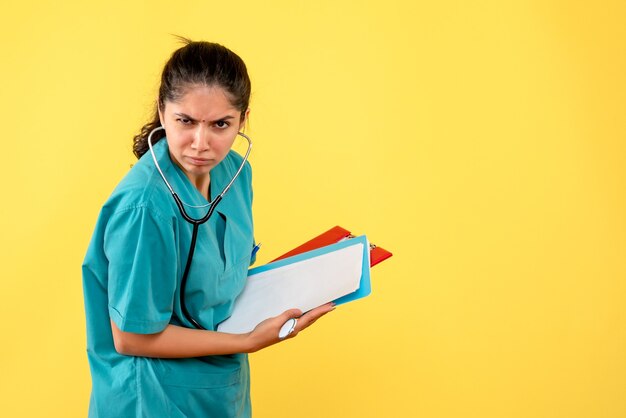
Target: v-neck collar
(228,207)
(188,193)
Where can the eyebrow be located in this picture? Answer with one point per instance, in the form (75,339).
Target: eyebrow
(186,116)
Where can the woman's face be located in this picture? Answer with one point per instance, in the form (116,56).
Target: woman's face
(200,128)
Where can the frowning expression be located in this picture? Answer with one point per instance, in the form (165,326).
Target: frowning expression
(200,127)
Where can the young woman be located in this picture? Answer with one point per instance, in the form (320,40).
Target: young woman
(151,341)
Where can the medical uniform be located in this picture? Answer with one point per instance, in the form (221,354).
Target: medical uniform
(132,273)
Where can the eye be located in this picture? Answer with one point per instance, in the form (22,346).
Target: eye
(222,124)
(184,121)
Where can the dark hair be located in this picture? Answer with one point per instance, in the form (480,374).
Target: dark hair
(197,63)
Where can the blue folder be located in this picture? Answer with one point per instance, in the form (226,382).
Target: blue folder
(365,287)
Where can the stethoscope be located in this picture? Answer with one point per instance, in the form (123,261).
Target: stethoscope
(195,222)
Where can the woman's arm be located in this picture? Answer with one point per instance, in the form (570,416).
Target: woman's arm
(179,342)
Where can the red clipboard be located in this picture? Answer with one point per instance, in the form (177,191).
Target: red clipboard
(332,236)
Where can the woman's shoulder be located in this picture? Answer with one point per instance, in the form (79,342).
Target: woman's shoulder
(141,188)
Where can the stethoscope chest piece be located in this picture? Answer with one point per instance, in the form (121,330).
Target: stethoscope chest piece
(287,328)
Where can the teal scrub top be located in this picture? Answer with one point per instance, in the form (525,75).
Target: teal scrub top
(132,273)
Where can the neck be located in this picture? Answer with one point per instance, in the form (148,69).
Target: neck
(201,184)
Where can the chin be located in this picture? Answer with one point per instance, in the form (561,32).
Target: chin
(198,171)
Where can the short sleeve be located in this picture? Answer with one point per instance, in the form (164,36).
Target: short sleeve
(140,247)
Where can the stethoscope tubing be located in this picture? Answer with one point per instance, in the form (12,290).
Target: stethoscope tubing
(194,222)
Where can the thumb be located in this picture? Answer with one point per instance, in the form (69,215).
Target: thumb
(291,313)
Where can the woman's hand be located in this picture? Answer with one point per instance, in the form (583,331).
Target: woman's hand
(266,333)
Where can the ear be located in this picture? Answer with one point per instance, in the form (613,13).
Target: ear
(246,114)
(160,114)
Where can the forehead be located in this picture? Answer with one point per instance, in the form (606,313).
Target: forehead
(203,102)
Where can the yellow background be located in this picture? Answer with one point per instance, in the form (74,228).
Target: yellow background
(482,142)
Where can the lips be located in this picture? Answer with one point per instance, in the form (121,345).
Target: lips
(198,160)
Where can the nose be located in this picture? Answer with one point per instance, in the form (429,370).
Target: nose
(201,139)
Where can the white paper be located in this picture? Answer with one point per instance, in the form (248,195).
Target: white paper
(305,285)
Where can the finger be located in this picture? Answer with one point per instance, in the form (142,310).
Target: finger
(320,310)
(320,314)
(307,319)
(313,315)
(291,313)
(310,320)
